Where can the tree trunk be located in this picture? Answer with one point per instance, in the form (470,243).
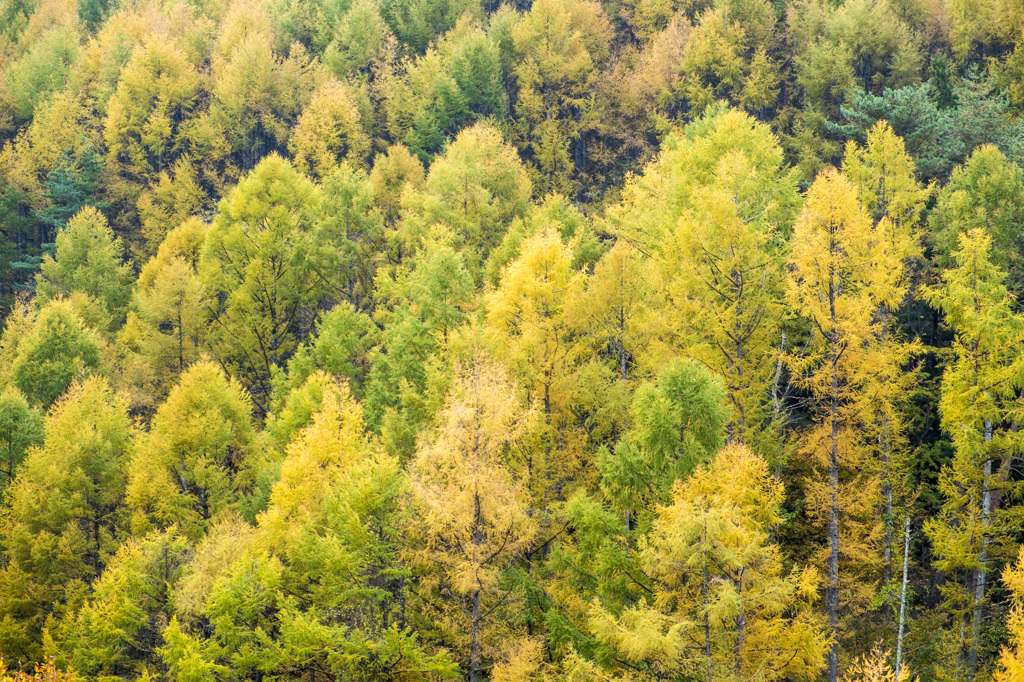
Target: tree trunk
(980,574)
(474,640)
(887,492)
(741,631)
(903,597)
(832,590)
(707,620)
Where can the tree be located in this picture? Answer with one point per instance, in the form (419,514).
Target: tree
(420,311)
(937,138)
(677,425)
(88,259)
(473,518)
(357,39)
(64,512)
(58,351)
(835,257)
(445,90)
(196,463)
(729,57)
(714,213)
(1011,664)
(21,427)
(45,67)
(883,173)
(43,672)
(874,667)
(344,337)
(62,124)
(530,317)
(257,95)
(724,149)
(418,22)
(559,45)
(179,193)
(263,271)
(476,190)
(169,305)
(156,95)
(723,606)
(554,213)
(618,303)
(350,220)
(393,172)
(71,186)
(979,408)
(118,629)
(328,130)
(987,193)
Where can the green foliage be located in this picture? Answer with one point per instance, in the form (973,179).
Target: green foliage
(986,193)
(418,22)
(475,190)
(128,610)
(425,305)
(89,259)
(58,351)
(71,186)
(43,69)
(264,271)
(21,427)
(938,138)
(196,464)
(61,524)
(678,424)
(344,337)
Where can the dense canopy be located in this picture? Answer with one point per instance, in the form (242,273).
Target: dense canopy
(583,340)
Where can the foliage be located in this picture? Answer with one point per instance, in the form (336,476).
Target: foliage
(553,340)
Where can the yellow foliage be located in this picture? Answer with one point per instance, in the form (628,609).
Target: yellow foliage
(330,129)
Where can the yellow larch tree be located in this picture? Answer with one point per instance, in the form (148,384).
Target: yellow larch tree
(980,409)
(714,213)
(472,512)
(1011,660)
(884,175)
(724,608)
(834,263)
(531,317)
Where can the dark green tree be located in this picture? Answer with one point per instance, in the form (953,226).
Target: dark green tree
(70,186)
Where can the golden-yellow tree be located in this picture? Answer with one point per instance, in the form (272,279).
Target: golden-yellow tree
(714,213)
(724,608)
(884,175)
(1011,661)
(835,262)
(980,408)
(531,317)
(472,512)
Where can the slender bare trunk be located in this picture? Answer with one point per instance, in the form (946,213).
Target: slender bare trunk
(832,590)
(741,632)
(980,574)
(474,640)
(903,596)
(707,620)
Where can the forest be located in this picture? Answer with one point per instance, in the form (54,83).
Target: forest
(560,340)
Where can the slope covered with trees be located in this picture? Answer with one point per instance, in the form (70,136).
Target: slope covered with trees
(558,340)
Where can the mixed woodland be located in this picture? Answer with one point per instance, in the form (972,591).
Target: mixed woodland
(582,340)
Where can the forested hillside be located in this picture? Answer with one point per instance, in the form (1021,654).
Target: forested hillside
(648,340)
